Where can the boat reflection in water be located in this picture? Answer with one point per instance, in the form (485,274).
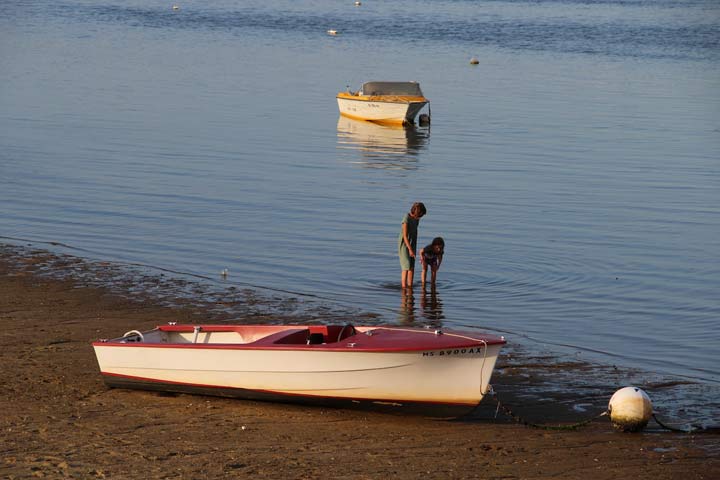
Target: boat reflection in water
(382,146)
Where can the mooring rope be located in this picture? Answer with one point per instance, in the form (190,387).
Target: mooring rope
(666,427)
(518,419)
(693,428)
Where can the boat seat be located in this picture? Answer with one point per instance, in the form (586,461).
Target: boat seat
(315,339)
(295,336)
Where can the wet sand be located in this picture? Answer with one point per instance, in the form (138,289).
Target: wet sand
(58,419)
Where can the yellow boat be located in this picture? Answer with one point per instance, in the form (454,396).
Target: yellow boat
(392,103)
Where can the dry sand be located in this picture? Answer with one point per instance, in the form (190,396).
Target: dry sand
(58,419)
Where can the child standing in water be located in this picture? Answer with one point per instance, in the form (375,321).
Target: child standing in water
(407,243)
(431,256)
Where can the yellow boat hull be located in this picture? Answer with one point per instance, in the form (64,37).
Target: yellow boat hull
(384,109)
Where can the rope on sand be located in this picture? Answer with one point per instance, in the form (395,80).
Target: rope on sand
(518,419)
(694,429)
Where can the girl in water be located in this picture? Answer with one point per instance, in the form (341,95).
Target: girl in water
(407,243)
(431,256)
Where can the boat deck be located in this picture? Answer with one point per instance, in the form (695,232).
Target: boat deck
(331,337)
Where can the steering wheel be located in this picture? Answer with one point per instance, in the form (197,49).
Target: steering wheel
(342,330)
(134,333)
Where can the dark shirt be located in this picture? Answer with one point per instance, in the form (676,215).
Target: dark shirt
(430,256)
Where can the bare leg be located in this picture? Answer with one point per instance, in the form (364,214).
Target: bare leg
(406,279)
(424,273)
(434,274)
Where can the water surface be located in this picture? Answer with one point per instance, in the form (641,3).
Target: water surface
(573,173)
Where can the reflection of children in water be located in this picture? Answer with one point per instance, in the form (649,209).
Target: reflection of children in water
(407,307)
(431,307)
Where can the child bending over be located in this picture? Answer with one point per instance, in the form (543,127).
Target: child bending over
(431,256)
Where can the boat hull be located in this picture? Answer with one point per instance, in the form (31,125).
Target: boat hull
(374,109)
(448,380)
(430,409)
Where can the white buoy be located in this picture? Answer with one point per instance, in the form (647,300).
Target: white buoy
(332,32)
(357,4)
(176,7)
(630,409)
(474,61)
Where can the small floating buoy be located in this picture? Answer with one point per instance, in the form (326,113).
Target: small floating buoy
(474,61)
(332,32)
(176,7)
(630,409)
(224,273)
(357,4)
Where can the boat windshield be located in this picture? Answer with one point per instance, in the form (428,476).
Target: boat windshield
(392,88)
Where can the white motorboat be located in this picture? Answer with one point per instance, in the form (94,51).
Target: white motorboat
(402,368)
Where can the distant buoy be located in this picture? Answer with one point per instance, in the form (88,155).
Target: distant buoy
(224,273)
(332,32)
(357,4)
(630,409)
(474,61)
(176,7)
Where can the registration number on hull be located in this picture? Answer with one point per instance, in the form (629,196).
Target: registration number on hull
(455,351)
(353,108)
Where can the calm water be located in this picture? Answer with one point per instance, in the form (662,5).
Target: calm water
(574,173)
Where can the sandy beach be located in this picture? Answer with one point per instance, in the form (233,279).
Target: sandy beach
(59,420)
